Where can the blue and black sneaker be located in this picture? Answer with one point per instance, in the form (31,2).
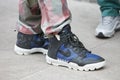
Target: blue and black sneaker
(28,44)
(68,51)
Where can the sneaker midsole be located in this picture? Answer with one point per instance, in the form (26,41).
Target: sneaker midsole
(22,51)
(75,66)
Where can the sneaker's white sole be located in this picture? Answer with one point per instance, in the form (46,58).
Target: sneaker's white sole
(88,67)
(22,51)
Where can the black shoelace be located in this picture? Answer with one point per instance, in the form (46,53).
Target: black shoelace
(72,40)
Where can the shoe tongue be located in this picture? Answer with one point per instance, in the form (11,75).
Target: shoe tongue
(65,33)
(65,30)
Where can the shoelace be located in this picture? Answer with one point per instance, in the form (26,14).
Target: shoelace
(73,40)
(107,20)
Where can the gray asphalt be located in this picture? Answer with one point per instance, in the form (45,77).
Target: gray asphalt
(86,17)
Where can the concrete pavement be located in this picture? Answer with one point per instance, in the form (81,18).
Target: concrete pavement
(33,67)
